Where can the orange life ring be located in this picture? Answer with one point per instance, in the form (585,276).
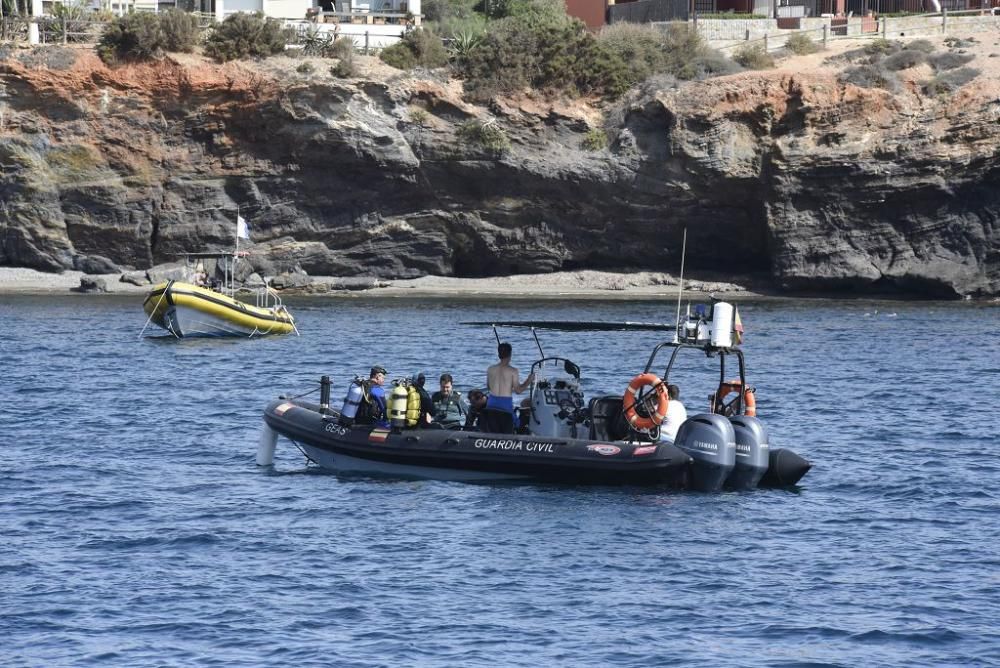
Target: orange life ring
(631,401)
(749,399)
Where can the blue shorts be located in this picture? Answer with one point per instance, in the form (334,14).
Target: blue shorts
(505,404)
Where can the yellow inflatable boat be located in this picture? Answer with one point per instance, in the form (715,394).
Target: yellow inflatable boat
(184,309)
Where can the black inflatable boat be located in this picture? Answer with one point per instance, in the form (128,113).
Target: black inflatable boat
(607,440)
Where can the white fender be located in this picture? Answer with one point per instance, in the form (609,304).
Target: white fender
(265,446)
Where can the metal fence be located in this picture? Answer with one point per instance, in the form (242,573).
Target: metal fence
(646,11)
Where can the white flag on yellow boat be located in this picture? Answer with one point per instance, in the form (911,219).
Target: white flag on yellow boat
(242,230)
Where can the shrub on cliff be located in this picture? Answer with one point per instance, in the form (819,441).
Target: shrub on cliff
(448,18)
(871,75)
(639,45)
(903,60)
(142,35)
(949,60)
(489,136)
(241,35)
(136,36)
(678,51)
(418,48)
(801,44)
(544,49)
(753,57)
(181,32)
(689,57)
(948,82)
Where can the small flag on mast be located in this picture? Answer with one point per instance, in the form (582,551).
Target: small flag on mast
(242,229)
(737,327)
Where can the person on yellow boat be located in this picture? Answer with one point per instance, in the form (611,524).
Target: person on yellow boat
(200,276)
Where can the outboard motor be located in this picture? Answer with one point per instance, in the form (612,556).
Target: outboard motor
(752,452)
(709,440)
(351,402)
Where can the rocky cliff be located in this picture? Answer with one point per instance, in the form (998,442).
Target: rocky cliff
(787,174)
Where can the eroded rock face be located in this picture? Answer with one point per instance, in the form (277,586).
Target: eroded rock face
(821,186)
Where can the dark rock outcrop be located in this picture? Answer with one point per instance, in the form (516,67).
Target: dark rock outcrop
(820,185)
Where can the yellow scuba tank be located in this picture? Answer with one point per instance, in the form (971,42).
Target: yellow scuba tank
(412,407)
(398,405)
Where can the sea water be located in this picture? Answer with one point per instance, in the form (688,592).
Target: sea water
(138,531)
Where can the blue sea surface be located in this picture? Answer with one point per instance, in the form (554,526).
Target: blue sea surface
(138,531)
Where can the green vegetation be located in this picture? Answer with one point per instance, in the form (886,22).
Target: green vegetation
(881,46)
(143,36)
(52,57)
(418,48)
(488,135)
(74,160)
(316,43)
(541,47)
(871,75)
(801,44)
(70,22)
(242,35)
(181,32)
(678,51)
(596,139)
(305,68)
(876,65)
(960,42)
(136,36)
(949,60)
(753,57)
(905,59)
(945,83)
(419,116)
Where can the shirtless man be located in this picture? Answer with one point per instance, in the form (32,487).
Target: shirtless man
(503,382)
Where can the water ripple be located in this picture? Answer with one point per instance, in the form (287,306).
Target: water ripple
(137,530)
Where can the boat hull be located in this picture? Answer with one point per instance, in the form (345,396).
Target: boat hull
(187,310)
(445,454)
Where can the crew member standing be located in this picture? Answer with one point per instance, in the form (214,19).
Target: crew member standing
(503,382)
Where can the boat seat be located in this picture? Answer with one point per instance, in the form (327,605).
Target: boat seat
(607,423)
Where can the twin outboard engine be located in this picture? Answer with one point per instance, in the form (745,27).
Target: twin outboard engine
(752,452)
(710,440)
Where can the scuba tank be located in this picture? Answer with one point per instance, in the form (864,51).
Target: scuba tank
(351,402)
(412,407)
(398,404)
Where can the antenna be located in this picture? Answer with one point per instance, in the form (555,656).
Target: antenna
(537,343)
(680,285)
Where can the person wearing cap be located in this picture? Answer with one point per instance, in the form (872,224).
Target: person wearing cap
(378,408)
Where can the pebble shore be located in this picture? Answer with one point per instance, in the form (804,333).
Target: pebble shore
(568,285)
